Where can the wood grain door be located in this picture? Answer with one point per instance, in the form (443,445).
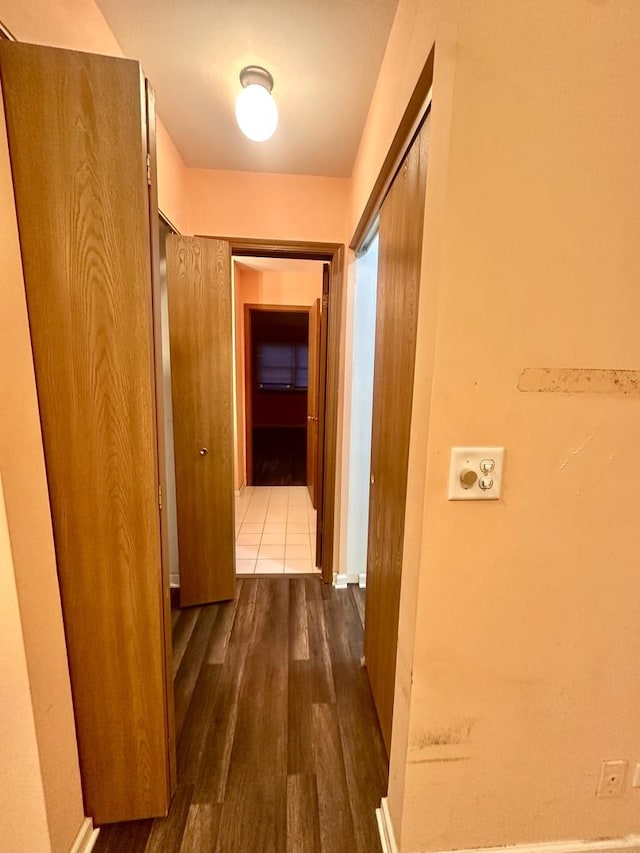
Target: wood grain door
(78,141)
(322,408)
(200,331)
(399,260)
(312,400)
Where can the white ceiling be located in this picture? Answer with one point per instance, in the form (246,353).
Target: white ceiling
(324,56)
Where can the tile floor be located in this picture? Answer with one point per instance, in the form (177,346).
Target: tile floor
(275,531)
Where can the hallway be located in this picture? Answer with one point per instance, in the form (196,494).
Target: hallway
(279,747)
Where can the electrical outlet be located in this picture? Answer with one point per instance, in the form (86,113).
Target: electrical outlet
(475,473)
(612,779)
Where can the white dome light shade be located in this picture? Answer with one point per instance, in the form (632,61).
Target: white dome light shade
(256,113)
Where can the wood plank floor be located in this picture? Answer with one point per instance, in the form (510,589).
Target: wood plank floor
(279,748)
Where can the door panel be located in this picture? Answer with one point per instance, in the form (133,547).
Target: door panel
(322,404)
(200,326)
(78,140)
(312,400)
(400,255)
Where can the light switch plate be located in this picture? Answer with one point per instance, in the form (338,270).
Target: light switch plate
(486,463)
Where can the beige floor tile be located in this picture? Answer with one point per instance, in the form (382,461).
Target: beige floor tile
(298,566)
(249,539)
(276,517)
(273,538)
(270,566)
(297,538)
(251,527)
(246,552)
(298,527)
(271,552)
(298,514)
(297,551)
(275,527)
(245,567)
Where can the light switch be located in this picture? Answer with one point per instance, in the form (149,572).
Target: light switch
(475,473)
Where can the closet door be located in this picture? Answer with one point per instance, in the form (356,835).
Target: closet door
(200,331)
(399,261)
(78,142)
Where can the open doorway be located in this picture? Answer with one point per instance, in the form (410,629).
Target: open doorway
(362,369)
(276,395)
(277,389)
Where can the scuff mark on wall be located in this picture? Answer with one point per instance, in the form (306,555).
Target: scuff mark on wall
(579,380)
(438,760)
(456,732)
(575,452)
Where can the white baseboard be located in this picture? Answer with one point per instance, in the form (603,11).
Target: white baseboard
(362,580)
(385,828)
(86,837)
(629,843)
(341,579)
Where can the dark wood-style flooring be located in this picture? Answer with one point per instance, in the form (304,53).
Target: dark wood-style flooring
(279,748)
(279,456)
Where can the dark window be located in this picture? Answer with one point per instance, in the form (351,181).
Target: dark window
(282,367)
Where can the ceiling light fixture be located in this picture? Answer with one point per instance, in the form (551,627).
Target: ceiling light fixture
(256,111)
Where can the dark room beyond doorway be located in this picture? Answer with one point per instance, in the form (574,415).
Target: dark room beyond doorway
(279,357)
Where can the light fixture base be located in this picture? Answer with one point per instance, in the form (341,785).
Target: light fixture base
(256,74)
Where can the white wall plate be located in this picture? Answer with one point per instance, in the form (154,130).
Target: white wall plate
(475,473)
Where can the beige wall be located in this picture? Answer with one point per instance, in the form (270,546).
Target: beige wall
(33,558)
(528,623)
(268,206)
(256,287)
(23,818)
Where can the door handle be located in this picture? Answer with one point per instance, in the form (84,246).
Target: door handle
(373,479)
(203,451)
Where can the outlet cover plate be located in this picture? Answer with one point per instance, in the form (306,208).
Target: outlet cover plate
(471,459)
(612,779)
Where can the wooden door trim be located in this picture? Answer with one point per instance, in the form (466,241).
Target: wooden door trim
(332,253)
(248,397)
(410,123)
(248,373)
(156,360)
(292,249)
(168,222)
(6,33)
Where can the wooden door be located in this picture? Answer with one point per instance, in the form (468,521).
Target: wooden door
(399,260)
(312,400)
(322,405)
(78,141)
(200,327)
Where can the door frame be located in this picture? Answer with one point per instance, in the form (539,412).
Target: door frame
(248,371)
(333,254)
